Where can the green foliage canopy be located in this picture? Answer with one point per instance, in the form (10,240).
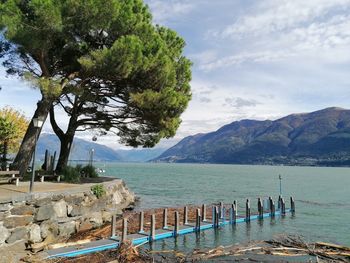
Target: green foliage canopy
(102,60)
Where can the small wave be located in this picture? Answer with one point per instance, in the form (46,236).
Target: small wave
(324,204)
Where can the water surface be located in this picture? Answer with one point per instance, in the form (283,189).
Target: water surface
(321,194)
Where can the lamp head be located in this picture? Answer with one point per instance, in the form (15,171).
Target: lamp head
(38,123)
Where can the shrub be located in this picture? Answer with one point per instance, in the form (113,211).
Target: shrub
(98,190)
(89,171)
(71,174)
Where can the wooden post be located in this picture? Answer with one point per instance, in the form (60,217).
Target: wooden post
(231,215)
(198,220)
(279,202)
(185,215)
(177,222)
(247,211)
(216,216)
(236,208)
(221,207)
(153,228)
(165,218)
(113,225)
(273,208)
(213,215)
(204,212)
(283,207)
(141,222)
(223,216)
(270,205)
(234,213)
(125,230)
(260,208)
(292,205)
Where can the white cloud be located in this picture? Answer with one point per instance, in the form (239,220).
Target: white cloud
(163,11)
(281,15)
(283,30)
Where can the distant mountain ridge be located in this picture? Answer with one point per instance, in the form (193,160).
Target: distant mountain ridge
(81,148)
(317,138)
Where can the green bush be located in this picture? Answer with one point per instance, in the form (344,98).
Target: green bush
(98,190)
(71,174)
(89,171)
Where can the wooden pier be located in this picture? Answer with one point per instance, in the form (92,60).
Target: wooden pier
(221,215)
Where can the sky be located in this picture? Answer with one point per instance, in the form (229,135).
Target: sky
(252,59)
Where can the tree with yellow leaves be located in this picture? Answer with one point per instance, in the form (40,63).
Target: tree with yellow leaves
(13,125)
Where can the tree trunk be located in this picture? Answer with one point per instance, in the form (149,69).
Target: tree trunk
(66,138)
(27,147)
(66,145)
(4,156)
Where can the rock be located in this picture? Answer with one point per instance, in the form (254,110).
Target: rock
(4,234)
(85,226)
(96,219)
(67,219)
(16,221)
(5,207)
(42,245)
(98,205)
(23,210)
(117,198)
(20,233)
(48,228)
(66,229)
(106,216)
(35,233)
(69,209)
(60,208)
(77,210)
(45,212)
(57,197)
(74,199)
(2,216)
(43,202)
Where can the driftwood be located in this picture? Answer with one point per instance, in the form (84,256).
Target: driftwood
(279,249)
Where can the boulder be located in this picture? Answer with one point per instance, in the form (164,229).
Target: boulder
(76,210)
(17,234)
(66,229)
(60,208)
(35,233)
(85,226)
(69,209)
(42,201)
(96,219)
(4,234)
(5,207)
(106,216)
(23,210)
(74,199)
(48,228)
(16,221)
(45,212)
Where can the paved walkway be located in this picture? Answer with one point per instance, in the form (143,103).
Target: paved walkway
(11,192)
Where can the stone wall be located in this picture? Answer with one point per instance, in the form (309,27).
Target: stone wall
(46,218)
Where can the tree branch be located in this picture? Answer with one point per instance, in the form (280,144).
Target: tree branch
(58,131)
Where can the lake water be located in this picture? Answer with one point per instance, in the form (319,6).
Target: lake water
(322,198)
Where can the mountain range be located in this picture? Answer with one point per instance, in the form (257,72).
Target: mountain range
(317,138)
(81,148)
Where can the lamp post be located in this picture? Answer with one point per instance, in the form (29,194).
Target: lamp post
(91,156)
(280,178)
(37,123)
